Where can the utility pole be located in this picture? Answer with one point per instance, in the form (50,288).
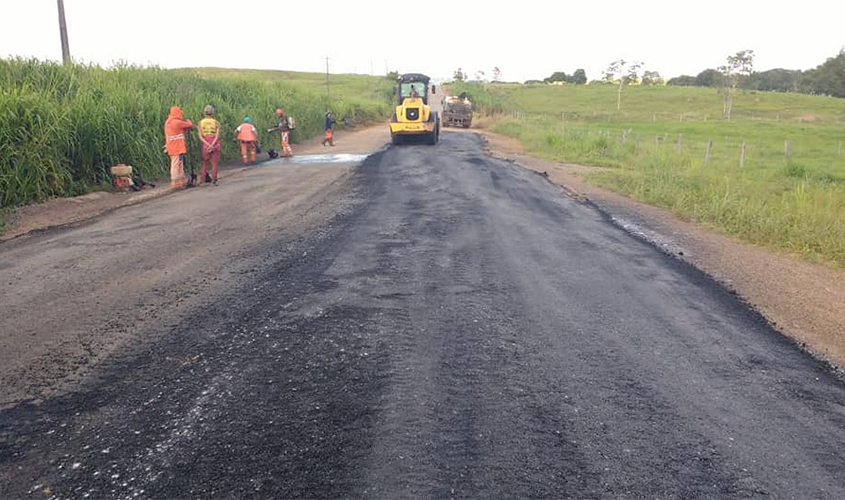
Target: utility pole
(328,87)
(63,33)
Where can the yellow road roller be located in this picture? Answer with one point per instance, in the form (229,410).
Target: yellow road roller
(413,116)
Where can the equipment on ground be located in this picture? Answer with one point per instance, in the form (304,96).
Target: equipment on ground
(121,176)
(413,116)
(457,111)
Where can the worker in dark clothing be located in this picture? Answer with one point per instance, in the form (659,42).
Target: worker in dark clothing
(284,126)
(330,121)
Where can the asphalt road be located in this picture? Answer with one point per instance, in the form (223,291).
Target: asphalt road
(464,329)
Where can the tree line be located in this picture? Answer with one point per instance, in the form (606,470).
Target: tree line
(827,78)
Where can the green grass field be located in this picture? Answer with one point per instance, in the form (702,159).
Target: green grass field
(795,204)
(62,127)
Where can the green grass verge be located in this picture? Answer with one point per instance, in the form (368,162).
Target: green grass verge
(795,204)
(62,127)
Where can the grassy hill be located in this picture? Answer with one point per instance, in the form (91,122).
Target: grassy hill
(62,127)
(656,149)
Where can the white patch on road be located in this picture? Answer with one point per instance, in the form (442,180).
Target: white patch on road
(661,241)
(316,159)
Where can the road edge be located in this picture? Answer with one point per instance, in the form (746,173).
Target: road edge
(642,231)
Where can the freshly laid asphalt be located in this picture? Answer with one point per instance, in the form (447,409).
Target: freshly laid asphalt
(462,328)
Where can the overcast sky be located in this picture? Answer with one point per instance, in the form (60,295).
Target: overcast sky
(528,39)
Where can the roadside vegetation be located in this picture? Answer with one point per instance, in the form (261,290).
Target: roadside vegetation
(62,127)
(774,175)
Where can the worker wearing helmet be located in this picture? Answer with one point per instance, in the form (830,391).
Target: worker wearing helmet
(247,135)
(209,132)
(284,126)
(174,133)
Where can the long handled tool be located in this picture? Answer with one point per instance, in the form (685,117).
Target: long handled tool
(188,143)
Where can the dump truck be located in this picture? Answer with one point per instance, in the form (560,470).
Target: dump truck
(457,111)
(413,116)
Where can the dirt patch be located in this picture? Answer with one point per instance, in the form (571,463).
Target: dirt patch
(64,211)
(804,301)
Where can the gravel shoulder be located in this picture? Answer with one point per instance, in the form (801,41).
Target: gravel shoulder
(59,212)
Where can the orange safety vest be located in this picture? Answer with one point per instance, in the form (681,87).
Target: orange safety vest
(247,133)
(174,132)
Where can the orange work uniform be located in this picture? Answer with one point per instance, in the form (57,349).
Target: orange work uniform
(174,133)
(248,137)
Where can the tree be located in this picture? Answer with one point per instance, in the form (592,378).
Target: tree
(827,78)
(577,78)
(682,81)
(497,74)
(709,78)
(738,65)
(557,76)
(778,80)
(459,75)
(652,78)
(624,72)
(480,75)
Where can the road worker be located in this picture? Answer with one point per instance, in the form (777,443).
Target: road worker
(247,135)
(174,133)
(284,126)
(209,132)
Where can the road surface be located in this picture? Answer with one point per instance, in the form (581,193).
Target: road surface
(432,323)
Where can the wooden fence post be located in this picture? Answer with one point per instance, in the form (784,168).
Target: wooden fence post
(742,155)
(680,142)
(787,150)
(709,152)
(638,141)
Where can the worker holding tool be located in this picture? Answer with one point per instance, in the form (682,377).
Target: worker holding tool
(330,121)
(174,133)
(209,132)
(247,135)
(284,126)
